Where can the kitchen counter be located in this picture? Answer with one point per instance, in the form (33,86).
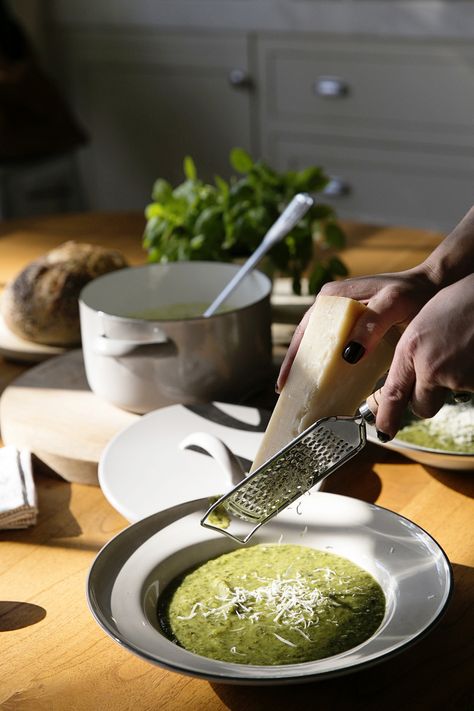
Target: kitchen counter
(54,657)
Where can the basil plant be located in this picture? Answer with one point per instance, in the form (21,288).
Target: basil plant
(227,220)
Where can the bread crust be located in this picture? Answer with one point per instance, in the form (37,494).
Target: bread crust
(41,303)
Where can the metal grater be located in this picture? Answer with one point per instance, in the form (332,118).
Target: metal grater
(294,470)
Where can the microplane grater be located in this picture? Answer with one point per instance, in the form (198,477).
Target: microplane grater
(294,470)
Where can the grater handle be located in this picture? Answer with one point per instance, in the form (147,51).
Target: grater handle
(367,413)
(369,408)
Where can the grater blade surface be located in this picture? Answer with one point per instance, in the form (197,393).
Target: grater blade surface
(294,470)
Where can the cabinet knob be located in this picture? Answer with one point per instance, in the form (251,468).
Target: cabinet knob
(337,187)
(331,87)
(240,79)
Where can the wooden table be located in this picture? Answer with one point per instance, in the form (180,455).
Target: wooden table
(54,657)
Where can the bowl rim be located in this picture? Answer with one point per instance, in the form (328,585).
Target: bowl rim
(87,294)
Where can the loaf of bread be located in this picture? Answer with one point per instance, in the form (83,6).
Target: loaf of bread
(41,303)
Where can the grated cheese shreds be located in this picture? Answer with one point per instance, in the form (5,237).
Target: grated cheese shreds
(452,428)
(292,601)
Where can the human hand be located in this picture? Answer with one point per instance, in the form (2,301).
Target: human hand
(433,356)
(393,299)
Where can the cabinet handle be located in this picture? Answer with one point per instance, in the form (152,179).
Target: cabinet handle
(240,79)
(331,87)
(337,187)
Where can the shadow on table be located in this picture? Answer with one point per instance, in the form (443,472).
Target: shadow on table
(434,674)
(461,481)
(357,478)
(15,615)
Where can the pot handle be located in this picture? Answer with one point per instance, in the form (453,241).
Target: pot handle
(113,347)
(141,336)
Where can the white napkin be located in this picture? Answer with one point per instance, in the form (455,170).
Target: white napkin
(18,503)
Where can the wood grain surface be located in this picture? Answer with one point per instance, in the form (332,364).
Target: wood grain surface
(53,655)
(51,411)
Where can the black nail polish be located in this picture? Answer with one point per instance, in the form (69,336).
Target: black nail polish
(383,437)
(353,352)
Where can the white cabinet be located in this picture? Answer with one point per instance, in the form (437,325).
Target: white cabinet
(390,120)
(148,99)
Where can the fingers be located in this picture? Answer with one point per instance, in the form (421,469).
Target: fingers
(385,308)
(405,386)
(360,289)
(383,311)
(395,395)
(393,399)
(392,300)
(427,400)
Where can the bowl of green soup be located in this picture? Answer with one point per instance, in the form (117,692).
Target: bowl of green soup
(330,585)
(445,441)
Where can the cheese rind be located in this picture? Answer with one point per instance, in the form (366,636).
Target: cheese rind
(321,383)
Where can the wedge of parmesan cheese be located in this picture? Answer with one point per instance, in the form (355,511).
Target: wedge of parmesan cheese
(321,383)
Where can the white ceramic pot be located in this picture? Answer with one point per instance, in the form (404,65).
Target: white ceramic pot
(140,364)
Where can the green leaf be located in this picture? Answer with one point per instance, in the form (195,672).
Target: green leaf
(296,284)
(209,223)
(189,168)
(197,242)
(337,267)
(240,160)
(222,186)
(318,277)
(241,191)
(162,190)
(310,180)
(321,212)
(268,174)
(334,235)
(153,255)
(188,191)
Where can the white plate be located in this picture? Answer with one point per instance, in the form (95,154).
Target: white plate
(19,349)
(132,570)
(143,470)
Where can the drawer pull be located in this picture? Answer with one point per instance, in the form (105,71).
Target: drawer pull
(330,87)
(240,79)
(337,187)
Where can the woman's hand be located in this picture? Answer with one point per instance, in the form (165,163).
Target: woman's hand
(392,299)
(434,355)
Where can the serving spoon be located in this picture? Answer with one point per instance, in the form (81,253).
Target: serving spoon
(296,209)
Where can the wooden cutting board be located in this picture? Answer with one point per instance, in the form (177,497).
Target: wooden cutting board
(51,411)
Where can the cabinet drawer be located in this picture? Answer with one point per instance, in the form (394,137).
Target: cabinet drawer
(385,186)
(410,89)
(148,99)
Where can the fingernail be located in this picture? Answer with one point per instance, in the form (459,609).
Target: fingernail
(353,352)
(383,437)
(277,389)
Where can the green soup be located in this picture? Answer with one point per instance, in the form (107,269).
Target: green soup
(272,604)
(450,430)
(174,312)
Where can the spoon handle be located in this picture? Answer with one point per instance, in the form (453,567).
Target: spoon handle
(287,220)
